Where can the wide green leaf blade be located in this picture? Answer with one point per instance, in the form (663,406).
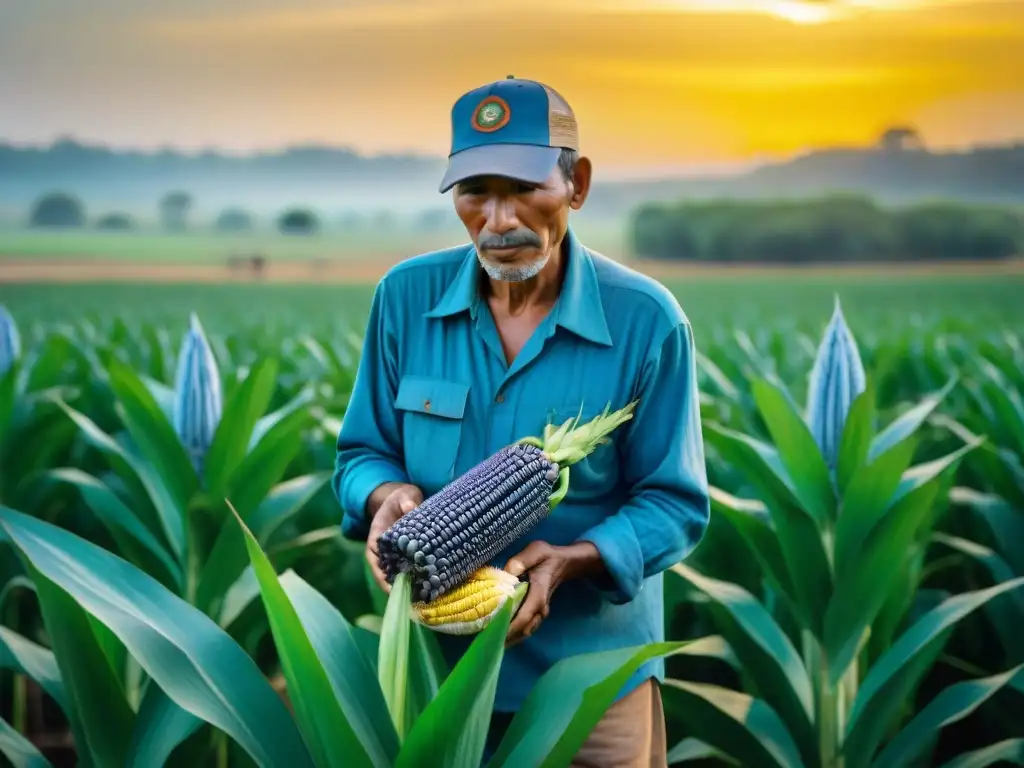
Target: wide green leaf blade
(265,465)
(694,749)
(231,439)
(798,534)
(141,478)
(153,433)
(196,663)
(886,685)
(393,653)
(20,654)
(766,653)
(328,733)
(1008,750)
(904,426)
(954,703)
(568,701)
(869,580)
(119,520)
(744,728)
(855,441)
(750,519)
(21,752)
(804,462)
(352,678)
(161,725)
(228,557)
(439,738)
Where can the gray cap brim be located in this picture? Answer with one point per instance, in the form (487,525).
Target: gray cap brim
(524,162)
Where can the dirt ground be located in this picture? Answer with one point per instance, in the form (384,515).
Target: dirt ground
(44,270)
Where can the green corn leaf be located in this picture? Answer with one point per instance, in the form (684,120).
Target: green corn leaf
(1008,750)
(890,680)
(124,526)
(766,653)
(142,480)
(161,725)
(231,440)
(750,518)
(798,534)
(161,393)
(266,423)
(438,738)
(861,591)
(1004,523)
(904,426)
(21,752)
(352,677)
(153,433)
(427,670)
(954,703)
(694,749)
(100,718)
(568,701)
(328,732)
(199,666)
(393,652)
(228,558)
(855,442)
(869,496)
(20,654)
(799,453)
(744,728)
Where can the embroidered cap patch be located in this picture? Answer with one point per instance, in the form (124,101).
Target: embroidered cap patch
(492,114)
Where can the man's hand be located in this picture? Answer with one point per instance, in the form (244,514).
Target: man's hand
(546,567)
(398,499)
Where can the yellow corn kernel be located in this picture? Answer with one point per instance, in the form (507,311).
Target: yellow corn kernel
(470,607)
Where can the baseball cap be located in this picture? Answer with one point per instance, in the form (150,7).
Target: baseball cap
(512,127)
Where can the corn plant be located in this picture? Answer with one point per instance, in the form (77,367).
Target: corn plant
(356,700)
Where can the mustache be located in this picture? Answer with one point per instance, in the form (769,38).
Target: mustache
(514,239)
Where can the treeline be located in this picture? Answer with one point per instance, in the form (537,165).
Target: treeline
(831,228)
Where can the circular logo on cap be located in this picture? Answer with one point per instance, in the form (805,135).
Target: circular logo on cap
(491,114)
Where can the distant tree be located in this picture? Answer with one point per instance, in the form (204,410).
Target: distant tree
(298,221)
(900,138)
(174,207)
(57,209)
(234,220)
(115,221)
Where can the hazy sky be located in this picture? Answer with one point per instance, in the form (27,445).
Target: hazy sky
(655,83)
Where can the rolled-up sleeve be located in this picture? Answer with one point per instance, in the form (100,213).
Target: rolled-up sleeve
(662,453)
(369,446)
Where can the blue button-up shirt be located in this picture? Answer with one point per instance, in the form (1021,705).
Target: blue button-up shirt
(434,396)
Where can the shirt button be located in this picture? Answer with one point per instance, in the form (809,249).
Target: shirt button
(500,398)
(426,405)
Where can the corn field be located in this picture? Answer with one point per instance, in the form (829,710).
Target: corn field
(176,590)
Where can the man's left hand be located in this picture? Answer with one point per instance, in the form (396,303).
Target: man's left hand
(546,566)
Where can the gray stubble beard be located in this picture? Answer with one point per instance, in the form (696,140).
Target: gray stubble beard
(514,273)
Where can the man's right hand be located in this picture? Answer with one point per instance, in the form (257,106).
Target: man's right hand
(400,498)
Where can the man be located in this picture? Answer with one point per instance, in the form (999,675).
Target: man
(470,348)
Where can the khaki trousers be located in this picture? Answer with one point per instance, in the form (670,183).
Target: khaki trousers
(630,735)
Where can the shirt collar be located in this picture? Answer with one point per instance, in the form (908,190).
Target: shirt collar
(579,308)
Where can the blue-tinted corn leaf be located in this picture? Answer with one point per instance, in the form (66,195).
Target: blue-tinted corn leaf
(199,666)
(20,654)
(21,752)
(161,725)
(954,703)
(694,749)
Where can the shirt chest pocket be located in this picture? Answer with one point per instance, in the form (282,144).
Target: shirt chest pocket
(432,417)
(597,475)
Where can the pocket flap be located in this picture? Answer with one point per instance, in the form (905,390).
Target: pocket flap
(439,397)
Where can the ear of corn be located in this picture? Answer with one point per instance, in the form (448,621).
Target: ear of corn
(10,341)
(469,607)
(468,522)
(837,378)
(197,396)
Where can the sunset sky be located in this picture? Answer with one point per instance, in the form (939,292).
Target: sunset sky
(656,84)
